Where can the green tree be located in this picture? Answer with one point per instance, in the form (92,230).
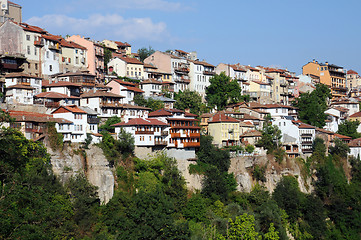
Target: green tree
(312,106)
(272,234)
(222,91)
(340,148)
(271,136)
(107,57)
(349,128)
(107,126)
(145,52)
(189,100)
(243,228)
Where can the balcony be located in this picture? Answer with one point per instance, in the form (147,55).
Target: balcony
(309,150)
(56,47)
(99,53)
(52,104)
(160,143)
(111,104)
(182,70)
(93,120)
(39,43)
(191,144)
(144,132)
(283,84)
(209,73)
(34,130)
(175,135)
(194,135)
(306,142)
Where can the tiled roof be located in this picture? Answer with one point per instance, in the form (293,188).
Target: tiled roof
(133,89)
(131,60)
(51,37)
(355,143)
(121,44)
(160,113)
(21,116)
(124,82)
(141,122)
(251,133)
(260,83)
(76,74)
(221,117)
(352,72)
(19,74)
(71,108)
(54,95)
(151,81)
(100,93)
(31,28)
(358,114)
(20,86)
(342,136)
(146,65)
(202,63)
(181,51)
(187,114)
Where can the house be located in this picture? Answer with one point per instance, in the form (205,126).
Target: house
(355,147)
(126,89)
(63,87)
(184,132)
(224,130)
(32,124)
(329,74)
(77,130)
(291,136)
(86,80)
(12,79)
(105,104)
(54,100)
(351,104)
(92,126)
(260,91)
(73,57)
(199,73)
(250,137)
(94,56)
(126,67)
(147,132)
(19,94)
(151,87)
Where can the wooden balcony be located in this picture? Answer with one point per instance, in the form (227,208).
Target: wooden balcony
(93,120)
(52,104)
(194,135)
(112,104)
(191,144)
(34,130)
(175,135)
(160,143)
(144,132)
(209,73)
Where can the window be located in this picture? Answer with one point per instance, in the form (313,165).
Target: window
(35,51)
(47,54)
(27,37)
(76,60)
(28,50)
(50,68)
(36,66)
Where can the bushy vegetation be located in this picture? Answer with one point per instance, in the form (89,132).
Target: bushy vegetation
(151,200)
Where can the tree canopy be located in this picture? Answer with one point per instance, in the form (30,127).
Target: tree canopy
(189,100)
(222,91)
(312,106)
(145,52)
(349,128)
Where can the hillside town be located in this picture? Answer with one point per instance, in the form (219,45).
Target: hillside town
(79,83)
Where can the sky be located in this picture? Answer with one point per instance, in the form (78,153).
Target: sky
(275,33)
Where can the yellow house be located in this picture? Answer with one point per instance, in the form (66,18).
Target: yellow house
(224,130)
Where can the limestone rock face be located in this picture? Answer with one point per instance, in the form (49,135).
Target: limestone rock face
(99,174)
(69,162)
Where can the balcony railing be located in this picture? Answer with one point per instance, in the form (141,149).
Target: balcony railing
(160,143)
(209,73)
(52,104)
(144,132)
(93,120)
(191,144)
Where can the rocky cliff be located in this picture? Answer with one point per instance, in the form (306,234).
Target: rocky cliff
(70,161)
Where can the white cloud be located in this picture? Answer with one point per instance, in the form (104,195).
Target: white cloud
(103,26)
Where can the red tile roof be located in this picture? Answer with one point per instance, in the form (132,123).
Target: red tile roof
(352,72)
(19,74)
(141,122)
(20,86)
(160,113)
(71,108)
(151,81)
(221,117)
(121,44)
(124,82)
(30,28)
(181,51)
(133,89)
(23,116)
(190,114)
(54,95)
(358,114)
(355,143)
(342,136)
(131,60)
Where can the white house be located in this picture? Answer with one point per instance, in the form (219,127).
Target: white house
(200,73)
(75,132)
(126,89)
(151,87)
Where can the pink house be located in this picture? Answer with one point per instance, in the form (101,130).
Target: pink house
(95,55)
